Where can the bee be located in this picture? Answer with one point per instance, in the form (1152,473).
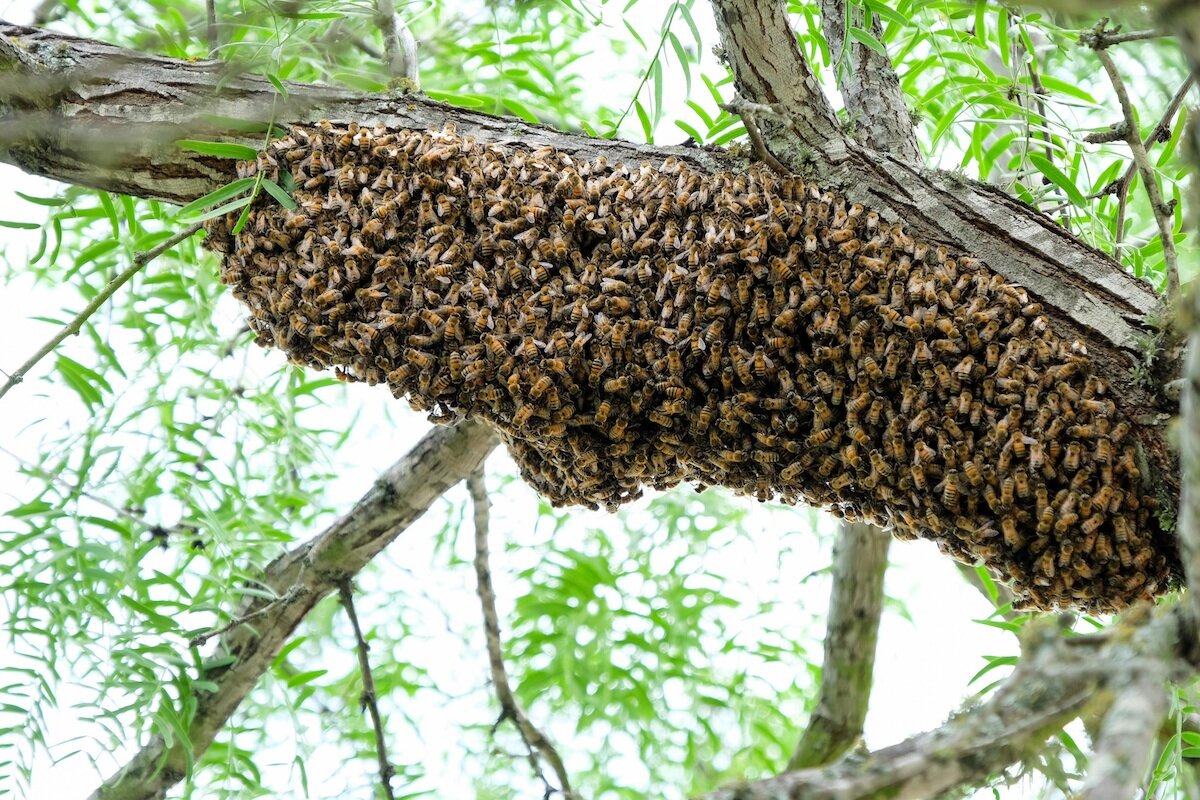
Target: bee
(1071,459)
(522,416)
(1012,537)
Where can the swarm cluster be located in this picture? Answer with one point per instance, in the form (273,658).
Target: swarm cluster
(624,325)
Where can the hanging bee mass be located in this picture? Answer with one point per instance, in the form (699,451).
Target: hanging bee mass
(641,325)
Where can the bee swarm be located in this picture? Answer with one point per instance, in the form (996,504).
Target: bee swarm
(628,325)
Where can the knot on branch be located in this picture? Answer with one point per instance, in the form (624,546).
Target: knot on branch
(630,325)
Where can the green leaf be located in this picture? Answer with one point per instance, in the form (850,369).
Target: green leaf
(278,84)
(644,118)
(42,201)
(225,209)
(24,226)
(217,196)
(1058,178)
(276,191)
(866,39)
(218,149)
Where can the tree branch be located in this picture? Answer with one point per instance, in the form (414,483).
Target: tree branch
(309,571)
(370,700)
(1189,457)
(1160,133)
(1163,214)
(1055,679)
(75,325)
(535,741)
(768,68)
(1131,727)
(860,559)
(878,114)
(399,47)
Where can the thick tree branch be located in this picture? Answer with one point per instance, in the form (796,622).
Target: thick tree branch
(1055,679)
(1131,728)
(860,559)
(306,573)
(868,83)
(769,68)
(1189,456)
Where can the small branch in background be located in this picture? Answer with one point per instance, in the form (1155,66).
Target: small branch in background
(210,7)
(73,327)
(1161,133)
(535,741)
(1101,37)
(292,595)
(369,701)
(757,145)
(1163,213)
(399,47)
(860,559)
(48,11)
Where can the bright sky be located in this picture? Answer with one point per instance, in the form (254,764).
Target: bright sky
(923,665)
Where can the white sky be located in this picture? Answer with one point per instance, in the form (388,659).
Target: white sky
(922,668)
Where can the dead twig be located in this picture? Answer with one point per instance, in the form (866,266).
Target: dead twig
(368,701)
(535,741)
(399,47)
(74,326)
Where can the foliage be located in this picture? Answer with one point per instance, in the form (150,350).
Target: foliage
(170,460)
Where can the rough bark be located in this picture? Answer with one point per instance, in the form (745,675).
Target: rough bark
(1056,679)
(875,103)
(860,559)
(300,578)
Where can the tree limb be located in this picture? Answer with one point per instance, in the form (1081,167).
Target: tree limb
(309,571)
(868,83)
(1056,678)
(535,741)
(1163,214)
(104,116)
(768,68)
(860,559)
(370,700)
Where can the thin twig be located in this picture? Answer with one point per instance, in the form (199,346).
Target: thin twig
(210,7)
(74,326)
(1163,214)
(535,741)
(292,595)
(369,700)
(1100,37)
(1121,187)
(758,146)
